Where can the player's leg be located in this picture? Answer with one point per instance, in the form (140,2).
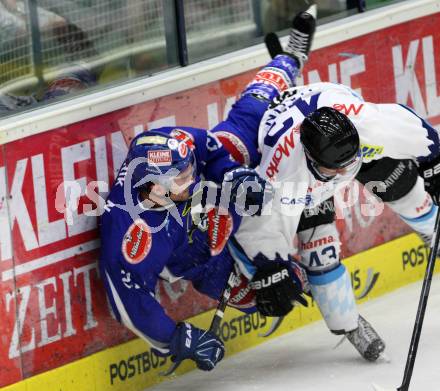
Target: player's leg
(404,193)
(239,132)
(330,282)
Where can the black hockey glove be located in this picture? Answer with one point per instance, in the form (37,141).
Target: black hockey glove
(249,192)
(430,172)
(277,284)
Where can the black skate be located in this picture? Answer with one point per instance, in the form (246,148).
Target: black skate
(366,340)
(301,35)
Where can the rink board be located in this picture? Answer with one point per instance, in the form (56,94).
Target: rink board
(132,366)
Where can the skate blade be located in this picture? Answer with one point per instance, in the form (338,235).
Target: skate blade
(379,388)
(312,10)
(384,357)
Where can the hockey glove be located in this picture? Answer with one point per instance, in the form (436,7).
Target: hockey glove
(430,172)
(249,192)
(278,284)
(201,346)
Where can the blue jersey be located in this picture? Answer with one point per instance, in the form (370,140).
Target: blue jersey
(133,258)
(136,253)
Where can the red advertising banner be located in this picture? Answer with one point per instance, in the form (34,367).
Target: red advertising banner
(52,305)
(10,371)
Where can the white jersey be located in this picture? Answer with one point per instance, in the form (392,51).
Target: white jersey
(385,130)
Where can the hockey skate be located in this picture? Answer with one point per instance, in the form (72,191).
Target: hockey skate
(301,35)
(366,340)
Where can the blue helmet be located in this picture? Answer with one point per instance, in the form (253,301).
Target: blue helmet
(160,155)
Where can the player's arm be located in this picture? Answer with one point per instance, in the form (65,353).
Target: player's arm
(429,160)
(405,135)
(242,183)
(130,289)
(391,130)
(261,247)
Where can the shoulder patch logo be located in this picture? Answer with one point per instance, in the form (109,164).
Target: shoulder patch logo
(235,147)
(219,229)
(137,242)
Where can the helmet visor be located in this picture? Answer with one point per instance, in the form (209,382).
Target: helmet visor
(347,170)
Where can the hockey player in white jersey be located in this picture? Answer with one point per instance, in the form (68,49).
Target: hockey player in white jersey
(311,140)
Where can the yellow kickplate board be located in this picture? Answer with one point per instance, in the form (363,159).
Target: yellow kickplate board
(133,367)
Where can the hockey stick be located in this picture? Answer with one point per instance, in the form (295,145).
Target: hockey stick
(276,323)
(273,44)
(411,358)
(216,320)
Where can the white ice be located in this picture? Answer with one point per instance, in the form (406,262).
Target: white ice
(304,360)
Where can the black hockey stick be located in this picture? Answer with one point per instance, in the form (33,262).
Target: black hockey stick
(411,358)
(216,320)
(273,44)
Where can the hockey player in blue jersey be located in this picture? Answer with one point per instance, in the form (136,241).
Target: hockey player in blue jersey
(152,228)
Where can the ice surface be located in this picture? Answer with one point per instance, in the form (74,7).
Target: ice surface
(305,360)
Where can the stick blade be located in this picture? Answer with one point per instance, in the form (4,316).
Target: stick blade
(276,323)
(171,369)
(379,388)
(273,44)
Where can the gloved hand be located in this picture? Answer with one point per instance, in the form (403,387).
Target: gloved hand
(277,284)
(249,192)
(430,172)
(201,346)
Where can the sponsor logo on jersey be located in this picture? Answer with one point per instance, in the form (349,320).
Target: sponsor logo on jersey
(242,294)
(235,147)
(370,151)
(272,76)
(161,157)
(307,200)
(348,109)
(137,242)
(317,243)
(219,229)
(325,207)
(282,150)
